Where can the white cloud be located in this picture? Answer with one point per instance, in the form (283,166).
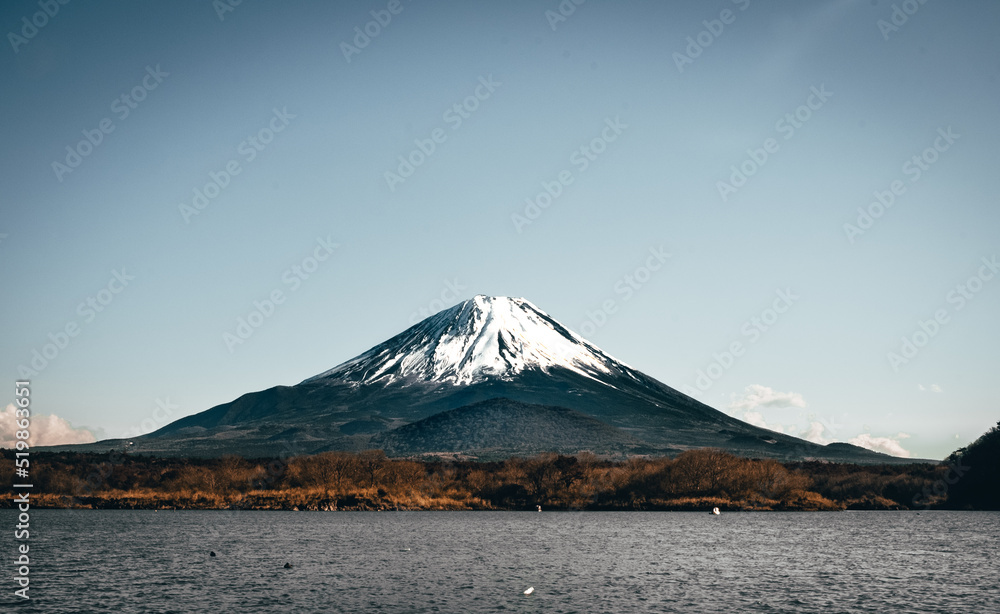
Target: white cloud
(815,433)
(933,388)
(888,445)
(820,430)
(44,430)
(757,419)
(755,396)
(936,388)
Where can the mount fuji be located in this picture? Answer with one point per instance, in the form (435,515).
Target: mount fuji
(488,378)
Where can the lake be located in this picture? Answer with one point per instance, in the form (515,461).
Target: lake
(146,561)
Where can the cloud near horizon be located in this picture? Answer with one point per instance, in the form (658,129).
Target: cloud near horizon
(755,396)
(815,433)
(757,419)
(45,430)
(888,445)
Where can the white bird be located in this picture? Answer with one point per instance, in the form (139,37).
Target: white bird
(530,590)
(716,511)
(539,507)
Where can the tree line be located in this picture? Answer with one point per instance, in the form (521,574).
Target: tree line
(694,480)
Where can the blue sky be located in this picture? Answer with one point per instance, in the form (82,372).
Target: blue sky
(286,133)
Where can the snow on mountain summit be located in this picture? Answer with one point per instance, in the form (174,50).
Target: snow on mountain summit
(483,337)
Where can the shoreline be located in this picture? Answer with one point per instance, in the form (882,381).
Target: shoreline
(304,501)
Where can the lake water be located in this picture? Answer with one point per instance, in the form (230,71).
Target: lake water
(145,561)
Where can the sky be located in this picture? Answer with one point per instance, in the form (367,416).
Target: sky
(785,209)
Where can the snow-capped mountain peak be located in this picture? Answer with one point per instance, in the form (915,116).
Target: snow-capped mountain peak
(483,337)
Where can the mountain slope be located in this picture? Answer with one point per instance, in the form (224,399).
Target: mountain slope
(500,428)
